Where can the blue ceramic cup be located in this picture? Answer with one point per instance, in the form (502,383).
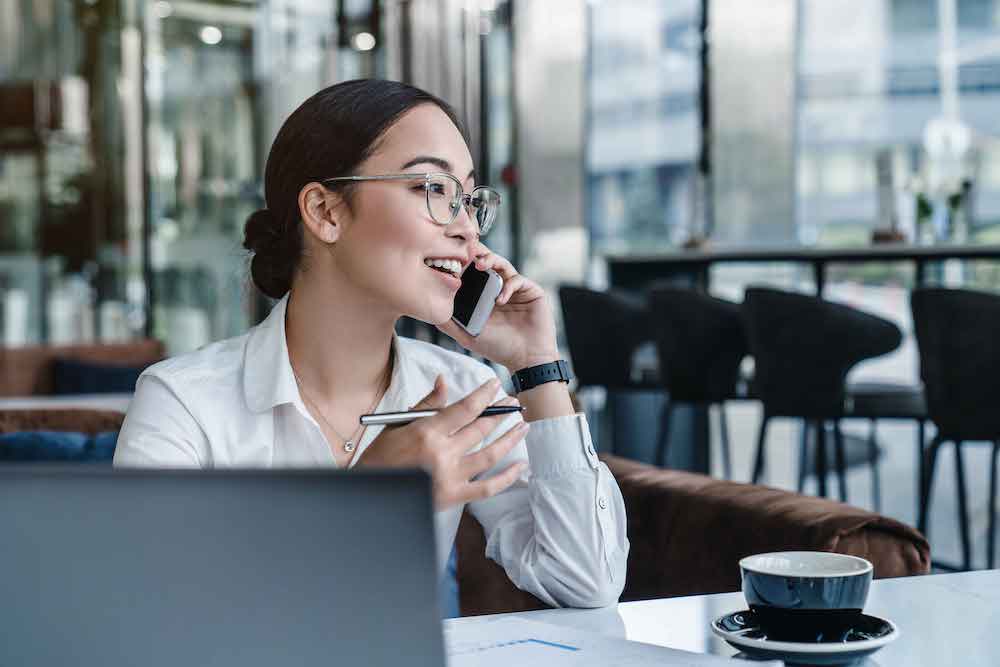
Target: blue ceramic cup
(806,595)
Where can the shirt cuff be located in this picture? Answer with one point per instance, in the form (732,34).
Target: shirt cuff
(558,445)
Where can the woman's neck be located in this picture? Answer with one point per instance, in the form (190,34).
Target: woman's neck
(339,344)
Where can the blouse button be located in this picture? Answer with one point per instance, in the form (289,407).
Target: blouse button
(602,502)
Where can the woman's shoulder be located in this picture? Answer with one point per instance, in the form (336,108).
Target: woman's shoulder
(216,362)
(430,360)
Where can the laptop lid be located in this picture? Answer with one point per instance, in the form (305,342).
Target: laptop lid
(223,568)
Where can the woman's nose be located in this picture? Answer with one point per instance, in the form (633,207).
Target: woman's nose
(463,226)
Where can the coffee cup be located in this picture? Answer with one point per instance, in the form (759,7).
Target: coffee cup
(806,595)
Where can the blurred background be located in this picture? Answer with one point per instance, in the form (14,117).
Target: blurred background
(133,136)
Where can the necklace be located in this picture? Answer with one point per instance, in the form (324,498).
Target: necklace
(349,443)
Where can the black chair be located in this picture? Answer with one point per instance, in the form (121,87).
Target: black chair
(603,330)
(957,334)
(803,348)
(700,342)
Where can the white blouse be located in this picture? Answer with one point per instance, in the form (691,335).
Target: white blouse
(559,531)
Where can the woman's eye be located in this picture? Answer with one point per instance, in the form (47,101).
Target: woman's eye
(435,188)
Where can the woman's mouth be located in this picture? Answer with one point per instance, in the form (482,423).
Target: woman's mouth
(450,270)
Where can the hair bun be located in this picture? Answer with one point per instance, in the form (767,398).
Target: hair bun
(273,255)
(261,231)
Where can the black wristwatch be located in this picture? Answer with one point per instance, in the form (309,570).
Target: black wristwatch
(528,378)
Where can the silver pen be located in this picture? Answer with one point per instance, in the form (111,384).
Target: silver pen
(397,418)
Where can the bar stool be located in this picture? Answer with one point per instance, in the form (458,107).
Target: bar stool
(803,348)
(700,342)
(603,329)
(957,334)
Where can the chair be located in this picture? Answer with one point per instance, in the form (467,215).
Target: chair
(803,348)
(700,342)
(603,330)
(957,334)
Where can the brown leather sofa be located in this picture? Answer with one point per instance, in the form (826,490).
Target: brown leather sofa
(27,371)
(687,531)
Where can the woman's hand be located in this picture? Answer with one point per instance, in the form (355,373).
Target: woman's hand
(440,445)
(520,331)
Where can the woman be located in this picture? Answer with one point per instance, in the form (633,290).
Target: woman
(367,221)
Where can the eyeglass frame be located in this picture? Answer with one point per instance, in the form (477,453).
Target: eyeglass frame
(465,198)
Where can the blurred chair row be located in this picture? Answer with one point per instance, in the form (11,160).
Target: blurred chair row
(803,348)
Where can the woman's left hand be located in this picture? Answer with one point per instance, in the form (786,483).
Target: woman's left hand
(520,331)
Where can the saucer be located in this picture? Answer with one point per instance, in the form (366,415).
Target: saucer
(742,631)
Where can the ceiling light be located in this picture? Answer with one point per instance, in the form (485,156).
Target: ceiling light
(210,35)
(364,41)
(162,9)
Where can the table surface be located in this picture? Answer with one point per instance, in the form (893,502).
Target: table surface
(116,402)
(873,253)
(944,619)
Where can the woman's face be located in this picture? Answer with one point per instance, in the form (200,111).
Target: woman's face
(387,236)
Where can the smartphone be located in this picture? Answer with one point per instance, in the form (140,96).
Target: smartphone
(475,299)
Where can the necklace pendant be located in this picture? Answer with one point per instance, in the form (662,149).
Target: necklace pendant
(348,446)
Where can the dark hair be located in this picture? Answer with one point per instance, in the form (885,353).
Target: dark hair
(329,135)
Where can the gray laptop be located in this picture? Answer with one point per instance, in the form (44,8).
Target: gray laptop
(237,569)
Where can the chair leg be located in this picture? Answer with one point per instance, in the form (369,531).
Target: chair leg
(992,535)
(840,458)
(727,464)
(873,454)
(821,462)
(803,455)
(663,442)
(758,466)
(963,510)
(921,444)
(926,484)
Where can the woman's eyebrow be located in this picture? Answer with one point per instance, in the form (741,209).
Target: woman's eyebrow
(428,159)
(440,163)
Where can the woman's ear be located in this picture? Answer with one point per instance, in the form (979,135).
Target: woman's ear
(320,209)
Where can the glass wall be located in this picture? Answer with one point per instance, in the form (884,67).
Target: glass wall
(67,245)
(643,134)
(897,122)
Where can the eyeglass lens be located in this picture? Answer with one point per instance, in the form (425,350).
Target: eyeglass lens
(444,200)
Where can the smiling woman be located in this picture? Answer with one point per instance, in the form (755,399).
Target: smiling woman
(373,214)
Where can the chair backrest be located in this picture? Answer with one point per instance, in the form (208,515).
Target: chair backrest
(602,330)
(28,371)
(803,348)
(958,335)
(700,342)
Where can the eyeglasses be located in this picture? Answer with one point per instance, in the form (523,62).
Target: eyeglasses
(445,197)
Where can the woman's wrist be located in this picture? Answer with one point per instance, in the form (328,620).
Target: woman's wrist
(534,359)
(545,401)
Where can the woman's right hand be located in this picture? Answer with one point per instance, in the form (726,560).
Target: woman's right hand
(441,444)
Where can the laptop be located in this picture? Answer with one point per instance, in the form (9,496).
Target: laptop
(217,568)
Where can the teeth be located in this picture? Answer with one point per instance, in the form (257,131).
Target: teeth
(451,265)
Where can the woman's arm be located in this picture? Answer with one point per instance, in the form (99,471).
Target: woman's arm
(560,531)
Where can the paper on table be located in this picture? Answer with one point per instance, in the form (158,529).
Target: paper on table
(502,642)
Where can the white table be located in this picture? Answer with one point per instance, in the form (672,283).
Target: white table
(946,619)
(116,402)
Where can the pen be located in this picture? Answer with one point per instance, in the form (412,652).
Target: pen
(397,418)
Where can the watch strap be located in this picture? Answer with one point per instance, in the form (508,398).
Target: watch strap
(528,378)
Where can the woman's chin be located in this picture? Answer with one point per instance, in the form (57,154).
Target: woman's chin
(436,316)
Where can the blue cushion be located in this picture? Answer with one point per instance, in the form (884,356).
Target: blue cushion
(449,588)
(57,446)
(84,377)
(101,447)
